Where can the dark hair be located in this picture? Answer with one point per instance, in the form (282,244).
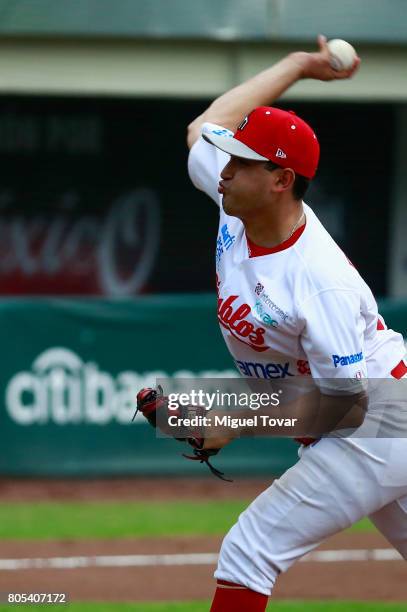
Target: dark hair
(301,183)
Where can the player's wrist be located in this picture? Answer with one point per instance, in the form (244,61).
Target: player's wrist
(215,443)
(300,61)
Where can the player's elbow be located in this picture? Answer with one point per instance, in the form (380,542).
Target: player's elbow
(355,414)
(194,131)
(340,412)
(358,416)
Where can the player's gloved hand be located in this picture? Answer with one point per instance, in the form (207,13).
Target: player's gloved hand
(150,400)
(153,405)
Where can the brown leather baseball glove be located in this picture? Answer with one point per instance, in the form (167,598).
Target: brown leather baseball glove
(153,405)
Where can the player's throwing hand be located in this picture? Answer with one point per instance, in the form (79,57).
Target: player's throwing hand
(318,65)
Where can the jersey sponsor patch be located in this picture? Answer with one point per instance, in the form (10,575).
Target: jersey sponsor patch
(343,360)
(303,367)
(259,290)
(264,370)
(223,242)
(211,128)
(267,320)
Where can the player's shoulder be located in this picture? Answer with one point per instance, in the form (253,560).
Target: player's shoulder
(205,162)
(324,264)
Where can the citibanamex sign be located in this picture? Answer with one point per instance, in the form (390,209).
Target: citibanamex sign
(62,389)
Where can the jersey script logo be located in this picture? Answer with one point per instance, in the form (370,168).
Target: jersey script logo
(234,320)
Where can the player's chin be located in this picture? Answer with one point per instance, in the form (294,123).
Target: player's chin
(227,205)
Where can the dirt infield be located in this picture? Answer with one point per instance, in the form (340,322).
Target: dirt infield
(151,489)
(359,580)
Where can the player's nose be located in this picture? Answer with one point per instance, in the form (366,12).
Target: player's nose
(227,171)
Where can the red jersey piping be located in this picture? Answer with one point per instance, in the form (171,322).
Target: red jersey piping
(257,251)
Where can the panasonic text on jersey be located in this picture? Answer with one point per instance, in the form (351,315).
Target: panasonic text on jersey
(342,360)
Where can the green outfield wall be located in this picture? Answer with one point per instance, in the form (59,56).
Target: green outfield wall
(71,370)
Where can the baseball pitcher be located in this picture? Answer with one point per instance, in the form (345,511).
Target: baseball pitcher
(287,294)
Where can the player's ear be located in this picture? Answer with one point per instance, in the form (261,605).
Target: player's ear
(284,179)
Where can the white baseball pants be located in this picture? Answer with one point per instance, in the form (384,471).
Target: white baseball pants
(335,483)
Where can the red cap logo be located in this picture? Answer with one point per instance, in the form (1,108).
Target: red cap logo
(282,137)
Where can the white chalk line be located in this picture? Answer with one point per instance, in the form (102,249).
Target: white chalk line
(320,556)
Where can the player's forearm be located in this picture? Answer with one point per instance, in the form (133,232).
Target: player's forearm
(339,412)
(261,90)
(312,415)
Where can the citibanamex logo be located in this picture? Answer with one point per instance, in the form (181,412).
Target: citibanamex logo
(234,320)
(62,389)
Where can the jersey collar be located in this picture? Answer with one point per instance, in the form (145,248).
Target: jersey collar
(257,251)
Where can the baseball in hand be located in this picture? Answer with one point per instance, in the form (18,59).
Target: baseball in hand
(342,54)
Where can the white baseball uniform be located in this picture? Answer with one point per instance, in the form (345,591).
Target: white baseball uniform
(303,310)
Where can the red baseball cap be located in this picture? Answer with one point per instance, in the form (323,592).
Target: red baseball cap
(271,134)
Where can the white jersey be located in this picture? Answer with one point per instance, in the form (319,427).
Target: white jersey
(303,310)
